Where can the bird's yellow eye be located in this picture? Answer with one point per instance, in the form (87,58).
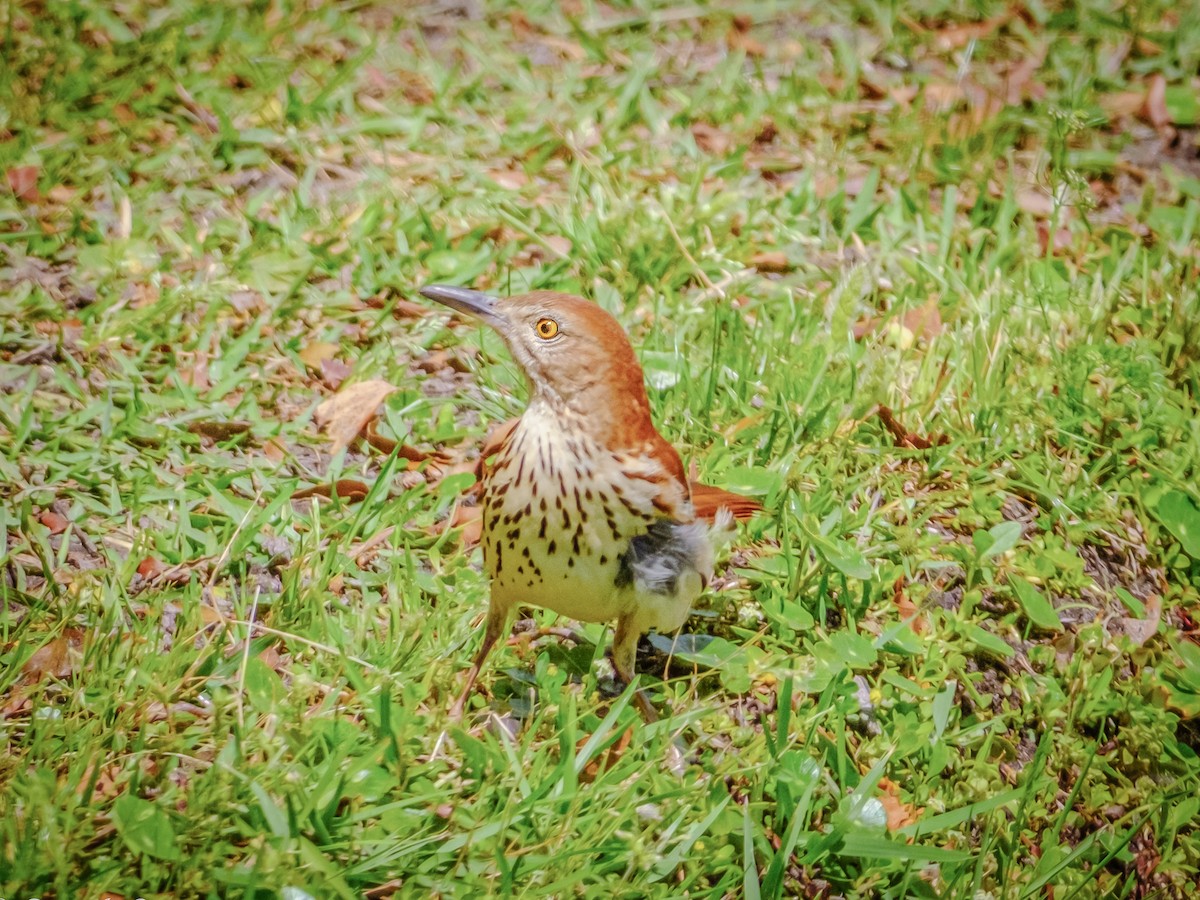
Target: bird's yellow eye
(546,328)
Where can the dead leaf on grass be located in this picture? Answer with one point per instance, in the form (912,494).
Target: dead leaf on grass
(346,488)
(22,181)
(56,522)
(924,321)
(334,372)
(711,139)
(414,456)
(58,658)
(218,431)
(608,760)
(771,261)
(906,438)
(316,352)
(1141,630)
(150,567)
(909,611)
(954,37)
(344,414)
(899,814)
(1154,109)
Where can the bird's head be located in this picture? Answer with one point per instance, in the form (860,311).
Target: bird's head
(576,356)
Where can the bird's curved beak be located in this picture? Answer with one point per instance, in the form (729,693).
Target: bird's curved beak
(464,300)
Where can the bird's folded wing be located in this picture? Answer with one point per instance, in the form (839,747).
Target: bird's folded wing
(708,500)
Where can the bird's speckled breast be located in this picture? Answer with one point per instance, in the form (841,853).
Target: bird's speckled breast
(558,516)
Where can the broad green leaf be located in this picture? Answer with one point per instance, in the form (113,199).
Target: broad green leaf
(988,641)
(1037,608)
(145,827)
(1180,516)
(998,539)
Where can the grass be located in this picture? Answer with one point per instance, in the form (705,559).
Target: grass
(957,657)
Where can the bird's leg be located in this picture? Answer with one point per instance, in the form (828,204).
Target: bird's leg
(624,656)
(497,619)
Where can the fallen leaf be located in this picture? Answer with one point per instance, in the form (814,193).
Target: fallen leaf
(899,814)
(218,431)
(346,488)
(1123,103)
(953,37)
(1035,200)
(56,522)
(925,321)
(149,567)
(436,360)
(906,438)
(1056,247)
(767,132)
(711,139)
(771,261)
(1141,630)
(606,761)
(57,658)
(509,179)
(334,372)
(559,245)
(22,181)
(1154,110)
(316,352)
(909,612)
(344,414)
(469,519)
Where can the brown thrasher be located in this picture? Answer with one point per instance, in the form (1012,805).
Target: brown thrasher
(586,509)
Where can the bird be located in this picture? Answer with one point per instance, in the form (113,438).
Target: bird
(586,508)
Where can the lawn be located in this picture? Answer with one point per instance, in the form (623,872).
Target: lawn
(920,278)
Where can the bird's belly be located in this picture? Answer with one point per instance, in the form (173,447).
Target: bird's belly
(582,589)
(566,562)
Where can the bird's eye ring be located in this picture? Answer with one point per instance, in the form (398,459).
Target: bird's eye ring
(546,328)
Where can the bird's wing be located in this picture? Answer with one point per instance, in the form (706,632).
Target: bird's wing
(496,439)
(708,500)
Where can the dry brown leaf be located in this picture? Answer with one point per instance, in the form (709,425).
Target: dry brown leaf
(1060,244)
(923,322)
(899,814)
(771,261)
(1154,110)
(614,753)
(909,612)
(334,372)
(1123,103)
(942,96)
(344,414)
(22,181)
(436,360)
(56,522)
(1035,200)
(711,139)
(509,179)
(469,519)
(316,352)
(149,567)
(210,615)
(953,37)
(57,658)
(1141,630)
(346,488)
(906,438)
(218,431)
